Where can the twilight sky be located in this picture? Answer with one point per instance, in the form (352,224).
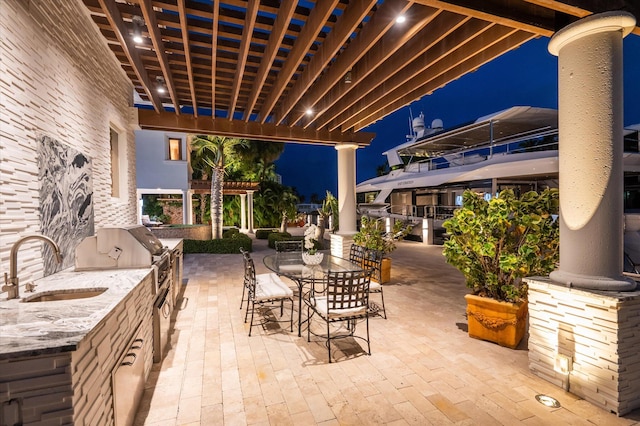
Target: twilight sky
(525,76)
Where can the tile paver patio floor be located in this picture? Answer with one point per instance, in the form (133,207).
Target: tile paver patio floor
(423,370)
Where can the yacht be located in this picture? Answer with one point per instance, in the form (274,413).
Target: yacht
(516,148)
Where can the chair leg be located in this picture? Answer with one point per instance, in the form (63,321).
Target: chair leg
(329,342)
(244,289)
(253,308)
(246,312)
(384,311)
(291,315)
(308,324)
(368,343)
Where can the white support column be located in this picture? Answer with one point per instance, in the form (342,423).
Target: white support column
(347,189)
(243,212)
(590,152)
(189,202)
(250,199)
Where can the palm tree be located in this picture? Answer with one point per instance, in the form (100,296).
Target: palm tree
(329,209)
(209,152)
(282,199)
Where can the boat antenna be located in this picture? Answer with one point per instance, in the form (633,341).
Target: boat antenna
(411,135)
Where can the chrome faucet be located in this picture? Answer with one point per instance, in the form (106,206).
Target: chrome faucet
(11,281)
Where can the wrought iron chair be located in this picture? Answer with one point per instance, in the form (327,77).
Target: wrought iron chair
(289,245)
(370,259)
(264,290)
(344,298)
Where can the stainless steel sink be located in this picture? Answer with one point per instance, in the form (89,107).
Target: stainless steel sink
(70,294)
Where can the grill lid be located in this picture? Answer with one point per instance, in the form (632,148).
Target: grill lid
(122,247)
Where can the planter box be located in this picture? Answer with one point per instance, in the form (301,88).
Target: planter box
(385,270)
(503,323)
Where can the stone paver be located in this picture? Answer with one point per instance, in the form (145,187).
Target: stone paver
(423,370)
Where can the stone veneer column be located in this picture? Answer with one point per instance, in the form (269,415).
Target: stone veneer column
(590,152)
(243,212)
(250,199)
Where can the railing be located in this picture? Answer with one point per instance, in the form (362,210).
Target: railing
(476,155)
(409,211)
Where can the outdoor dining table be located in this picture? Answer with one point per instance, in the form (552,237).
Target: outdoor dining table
(291,265)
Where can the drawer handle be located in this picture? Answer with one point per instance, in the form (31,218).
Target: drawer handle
(130,354)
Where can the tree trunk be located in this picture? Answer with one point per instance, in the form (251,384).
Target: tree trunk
(216,203)
(283,224)
(320,230)
(203,208)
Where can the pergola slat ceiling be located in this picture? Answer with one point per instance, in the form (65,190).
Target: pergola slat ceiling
(252,68)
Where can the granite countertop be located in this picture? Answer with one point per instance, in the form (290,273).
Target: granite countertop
(28,329)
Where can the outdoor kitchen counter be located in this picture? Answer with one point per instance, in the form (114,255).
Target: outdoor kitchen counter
(35,328)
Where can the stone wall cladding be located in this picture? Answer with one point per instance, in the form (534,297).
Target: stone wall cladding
(195,232)
(57,78)
(76,386)
(598,331)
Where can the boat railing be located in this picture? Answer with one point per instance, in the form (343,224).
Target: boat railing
(408,211)
(477,154)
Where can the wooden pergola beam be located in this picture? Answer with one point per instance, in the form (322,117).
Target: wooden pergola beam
(247,34)
(381,22)
(280,25)
(515,14)
(408,94)
(169,122)
(156,39)
(440,27)
(184,26)
(317,19)
(117,24)
(344,27)
(370,63)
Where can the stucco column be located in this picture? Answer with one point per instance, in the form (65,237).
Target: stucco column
(189,202)
(243,212)
(590,151)
(347,189)
(250,199)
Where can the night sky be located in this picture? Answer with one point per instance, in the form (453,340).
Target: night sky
(526,76)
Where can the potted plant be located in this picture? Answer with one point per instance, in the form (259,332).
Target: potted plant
(310,254)
(373,236)
(495,244)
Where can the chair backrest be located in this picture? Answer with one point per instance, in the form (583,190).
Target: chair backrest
(289,245)
(367,258)
(249,270)
(348,290)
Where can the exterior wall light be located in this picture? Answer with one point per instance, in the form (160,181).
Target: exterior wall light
(160,86)
(138,23)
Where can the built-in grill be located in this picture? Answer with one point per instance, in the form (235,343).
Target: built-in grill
(134,247)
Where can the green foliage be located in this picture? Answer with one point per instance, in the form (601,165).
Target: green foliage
(263,234)
(225,245)
(280,236)
(495,243)
(373,235)
(151,206)
(164,218)
(229,233)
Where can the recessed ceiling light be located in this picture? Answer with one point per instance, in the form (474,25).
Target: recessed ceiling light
(138,23)
(547,401)
(400,19)
(309,111)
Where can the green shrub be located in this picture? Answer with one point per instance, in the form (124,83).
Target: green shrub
(226,245)
(282,236)
(263,234)
(227,233)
